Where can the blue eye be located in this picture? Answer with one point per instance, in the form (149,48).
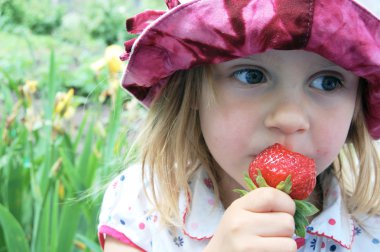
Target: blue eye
(327,83)
(250,76)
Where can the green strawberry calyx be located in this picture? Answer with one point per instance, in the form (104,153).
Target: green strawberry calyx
(304,209)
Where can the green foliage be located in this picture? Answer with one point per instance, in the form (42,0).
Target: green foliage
(74,29)
(14,235)
(45,170)
(41,17)
(53,170)
(12,11)
(106,21)
(105,24)
(73,62)
(107,18)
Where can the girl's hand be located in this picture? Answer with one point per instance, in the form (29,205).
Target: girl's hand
(262,220)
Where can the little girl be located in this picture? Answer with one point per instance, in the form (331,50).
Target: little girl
(225,79)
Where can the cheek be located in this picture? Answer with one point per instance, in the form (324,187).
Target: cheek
(223,122)
(228,136)
(326,154)
(330,138)
(223,131)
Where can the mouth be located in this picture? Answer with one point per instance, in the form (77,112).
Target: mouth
(253,157)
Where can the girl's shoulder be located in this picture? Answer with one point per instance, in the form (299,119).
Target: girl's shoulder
(128,215)
(127,186)
(126,208)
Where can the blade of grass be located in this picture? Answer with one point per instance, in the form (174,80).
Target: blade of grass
(94,247)
(112,130)
(39,237)
(79,135)
(8,103)
(16,175)
(14,235)
(44,218)
(49,107)
(84,158)
(52,86)
(54,224)
(68,224)
(68,167)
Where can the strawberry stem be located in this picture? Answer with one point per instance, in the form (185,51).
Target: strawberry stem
(285,186)
(241,192)
(249,182)
(306,208)
(260,180)
(300,224)
(303,210)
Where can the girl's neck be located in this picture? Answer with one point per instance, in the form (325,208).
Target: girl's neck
(226,186)
(316,198)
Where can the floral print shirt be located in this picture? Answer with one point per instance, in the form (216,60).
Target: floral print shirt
(128,216)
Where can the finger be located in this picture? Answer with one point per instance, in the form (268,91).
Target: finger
(267,199)
(275,224)
(273,244)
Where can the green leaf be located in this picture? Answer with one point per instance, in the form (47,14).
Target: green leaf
(69,168)
(80,132)
(305,208)
(300,224)
(89,243)
(249,182)
(241,192)
(14,235)
(260,180)
(82,167)
(285,186)
(112,130)
(68,226)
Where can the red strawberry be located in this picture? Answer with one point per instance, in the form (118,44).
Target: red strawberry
(276,163)
(287,171)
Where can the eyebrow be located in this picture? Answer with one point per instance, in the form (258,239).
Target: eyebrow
(328,64)
(272,60)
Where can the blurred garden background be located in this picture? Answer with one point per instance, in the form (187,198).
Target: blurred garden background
(65,125)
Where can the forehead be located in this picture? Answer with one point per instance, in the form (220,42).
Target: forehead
(281,56)
(276,58)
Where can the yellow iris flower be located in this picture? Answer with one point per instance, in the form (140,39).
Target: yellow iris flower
(63,104)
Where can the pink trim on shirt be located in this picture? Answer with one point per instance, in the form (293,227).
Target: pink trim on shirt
(348,246)
(184,224)
(106,230)
(187,234)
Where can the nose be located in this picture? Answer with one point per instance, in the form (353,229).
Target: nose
(288,118)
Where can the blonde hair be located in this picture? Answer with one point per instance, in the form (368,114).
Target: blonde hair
(171,144)
(358,165)
(172,149)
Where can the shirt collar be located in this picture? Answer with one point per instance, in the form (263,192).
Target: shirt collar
(334,222)
(206,210)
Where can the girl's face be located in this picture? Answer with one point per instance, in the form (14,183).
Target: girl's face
(296,98)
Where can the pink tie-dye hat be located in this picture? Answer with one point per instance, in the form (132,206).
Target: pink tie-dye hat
(191,33)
